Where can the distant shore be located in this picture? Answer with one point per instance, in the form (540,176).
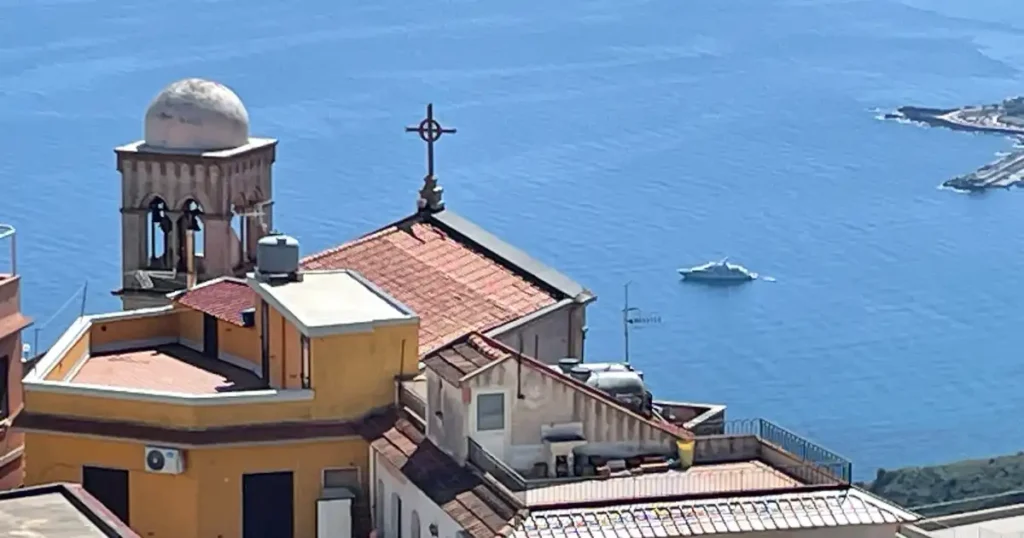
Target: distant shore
(959,119)
(1005,172)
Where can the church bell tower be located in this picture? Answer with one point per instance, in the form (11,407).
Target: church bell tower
(196,193)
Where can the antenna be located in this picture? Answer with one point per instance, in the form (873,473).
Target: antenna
(632,316)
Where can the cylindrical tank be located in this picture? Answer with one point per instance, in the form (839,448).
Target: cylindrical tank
(580,374)
(277,255)
(617,382)
(568,363)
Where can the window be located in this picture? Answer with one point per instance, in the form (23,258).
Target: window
(490,412)
(5,365)
(342,478)
(396,516)
(305,361)
(414,524)
(378,508)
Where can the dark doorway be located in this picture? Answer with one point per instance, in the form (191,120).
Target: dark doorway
(5,400)
(210,336)
(267,505)
(110,487)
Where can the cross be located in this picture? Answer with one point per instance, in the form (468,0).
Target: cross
(430,131)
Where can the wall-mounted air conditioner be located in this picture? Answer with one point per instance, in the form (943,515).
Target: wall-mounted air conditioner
(164,460)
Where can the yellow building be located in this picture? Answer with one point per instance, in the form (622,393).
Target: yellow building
(227,420)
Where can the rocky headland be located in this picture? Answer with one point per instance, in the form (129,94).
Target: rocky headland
(1006,118)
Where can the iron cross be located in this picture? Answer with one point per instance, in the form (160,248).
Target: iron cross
(430,131)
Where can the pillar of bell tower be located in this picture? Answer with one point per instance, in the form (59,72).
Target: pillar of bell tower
(194,173)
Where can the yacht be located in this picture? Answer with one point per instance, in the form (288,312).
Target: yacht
(720,271)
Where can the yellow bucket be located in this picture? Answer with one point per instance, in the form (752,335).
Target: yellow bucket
(685,450)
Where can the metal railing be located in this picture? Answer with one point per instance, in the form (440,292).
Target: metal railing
(793,444)
(637,484)
(488,463)
(411,401)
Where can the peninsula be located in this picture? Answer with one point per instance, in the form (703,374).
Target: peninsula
(1005,118)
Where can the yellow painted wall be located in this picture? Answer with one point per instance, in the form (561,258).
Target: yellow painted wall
(241,342)
(190,324)
(77,351)
(143,328)
(353,373)
(206,500)
(165,414)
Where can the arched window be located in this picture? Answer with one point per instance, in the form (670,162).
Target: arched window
(414,524)
(159,234)
(378,507)
(191,239)
(396,516)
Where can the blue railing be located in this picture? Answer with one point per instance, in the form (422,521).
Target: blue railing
(793,444)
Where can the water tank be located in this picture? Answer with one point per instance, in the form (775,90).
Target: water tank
(567,364)
(617,382)
(277,255)
(626,387)
(579,374)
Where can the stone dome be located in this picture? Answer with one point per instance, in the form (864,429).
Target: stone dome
(196,115)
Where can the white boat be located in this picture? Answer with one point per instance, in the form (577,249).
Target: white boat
(720,271)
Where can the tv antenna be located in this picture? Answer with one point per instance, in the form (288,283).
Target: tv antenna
(634,317)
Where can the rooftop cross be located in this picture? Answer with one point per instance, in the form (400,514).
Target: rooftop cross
(430,131)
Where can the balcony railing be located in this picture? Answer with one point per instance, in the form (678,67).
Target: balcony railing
(793,444)
(787,461)
(489,464)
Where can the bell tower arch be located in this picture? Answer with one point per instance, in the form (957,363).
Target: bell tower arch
(195,193)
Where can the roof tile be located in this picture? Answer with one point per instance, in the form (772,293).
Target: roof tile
(224,299)
(464,496)
(452,286)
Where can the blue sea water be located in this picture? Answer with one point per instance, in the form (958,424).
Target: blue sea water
(616,140)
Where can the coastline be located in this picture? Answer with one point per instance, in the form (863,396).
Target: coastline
(1005,172)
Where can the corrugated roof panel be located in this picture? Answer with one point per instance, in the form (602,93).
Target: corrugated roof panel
(729,515)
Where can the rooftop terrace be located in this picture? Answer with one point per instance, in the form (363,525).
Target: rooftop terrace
(752,455)
(167,368)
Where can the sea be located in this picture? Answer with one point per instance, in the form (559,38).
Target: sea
(617,141)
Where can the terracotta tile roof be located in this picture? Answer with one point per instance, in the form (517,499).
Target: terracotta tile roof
(476,344)
(463,495)
(223,298)
(461,358)
(452,284)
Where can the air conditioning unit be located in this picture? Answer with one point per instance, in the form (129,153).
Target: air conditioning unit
(164,460)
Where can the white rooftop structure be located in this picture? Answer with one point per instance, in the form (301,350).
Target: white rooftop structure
(1000,522)
(323,303)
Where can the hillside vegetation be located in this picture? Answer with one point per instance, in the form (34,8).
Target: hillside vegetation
(916,486)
